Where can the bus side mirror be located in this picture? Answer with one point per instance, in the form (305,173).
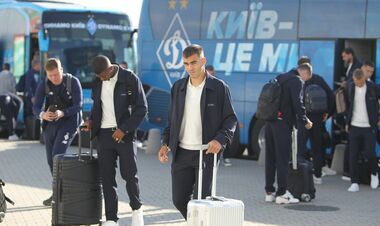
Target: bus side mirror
(129,45)
(43,40)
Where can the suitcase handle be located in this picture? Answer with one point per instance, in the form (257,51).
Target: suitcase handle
(80,145)
(200,172)
(294,148)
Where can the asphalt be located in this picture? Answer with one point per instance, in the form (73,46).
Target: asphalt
(28,182)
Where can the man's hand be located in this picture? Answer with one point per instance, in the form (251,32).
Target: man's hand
(309,124)
(213,147)
(49,116)
(163,154)
(59,114)
(87,125)
(118,135)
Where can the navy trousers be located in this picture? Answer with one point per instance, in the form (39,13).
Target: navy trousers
(362,140)
(58,137)
(185,178)
(108,152)
(278,143)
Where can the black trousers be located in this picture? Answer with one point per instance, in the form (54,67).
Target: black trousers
(278,141)
(108,152)
(315,135)
(10,105)
(362,139)
(185,178)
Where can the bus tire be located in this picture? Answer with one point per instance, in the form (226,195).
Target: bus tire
(235,150)
(257,136)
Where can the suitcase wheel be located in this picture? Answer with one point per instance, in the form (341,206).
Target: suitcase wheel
(305,197)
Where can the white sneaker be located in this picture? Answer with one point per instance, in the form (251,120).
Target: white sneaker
(346,178)
(270,196)
(317,180)
(328,171)
(110,223)
(137,217)
(374,181)
(227,162)
(13,137)
(286,198)
(353,188)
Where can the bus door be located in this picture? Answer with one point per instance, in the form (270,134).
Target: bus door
(321,54)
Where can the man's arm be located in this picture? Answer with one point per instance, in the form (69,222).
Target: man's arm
(140,109)
(225,135)
(296,97)
(40,98)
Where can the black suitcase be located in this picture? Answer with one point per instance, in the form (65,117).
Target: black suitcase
(77,193)
(300,175)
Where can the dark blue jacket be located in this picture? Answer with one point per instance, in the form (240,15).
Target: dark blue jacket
(127,122)
(30,83)
(372,97)
(292,109)
(73,102)
(355,65)
(318,80)
(217,114)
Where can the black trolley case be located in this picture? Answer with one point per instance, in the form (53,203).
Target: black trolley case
(77,193)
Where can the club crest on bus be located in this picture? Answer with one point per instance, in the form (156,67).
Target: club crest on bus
(169,53)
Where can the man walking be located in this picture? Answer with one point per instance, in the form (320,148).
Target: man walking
(200,112)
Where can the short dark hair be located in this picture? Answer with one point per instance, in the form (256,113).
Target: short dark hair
(305,66)
(52,63)
(193,49)
(349,50)
(303,59)
(100,63)
(209,67)
(368,63)
(358,74)
(6,66)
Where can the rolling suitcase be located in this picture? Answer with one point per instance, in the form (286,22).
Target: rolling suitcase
(214,210)
(77,193)
(300,175)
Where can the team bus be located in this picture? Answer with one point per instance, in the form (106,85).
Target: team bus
(74,33)
(249,42)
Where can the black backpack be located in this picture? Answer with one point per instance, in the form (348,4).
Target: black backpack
(3,201)
(315,99)
(269,101)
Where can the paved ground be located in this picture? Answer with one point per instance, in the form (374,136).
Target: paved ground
(23,167)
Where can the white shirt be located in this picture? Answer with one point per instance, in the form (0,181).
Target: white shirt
(348,69)
(359,112)
(108,108)
(190,135)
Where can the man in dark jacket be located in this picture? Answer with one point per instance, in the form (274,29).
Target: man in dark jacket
(278,133)
(200,112)
(318,118)
(362,121)
(119,108)
(61,114)
(352,63)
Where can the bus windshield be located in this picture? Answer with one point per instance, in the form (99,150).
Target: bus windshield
(78,37)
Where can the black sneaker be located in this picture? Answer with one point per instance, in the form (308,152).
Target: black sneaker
(48,201)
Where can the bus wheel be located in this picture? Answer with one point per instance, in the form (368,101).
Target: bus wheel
(256,139)
(235,149)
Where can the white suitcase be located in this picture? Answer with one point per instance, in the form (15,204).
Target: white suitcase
(214,210)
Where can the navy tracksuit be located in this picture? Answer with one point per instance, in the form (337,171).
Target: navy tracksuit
(363,139)
(315,133)
(59,134)
(278,132)
(109,150)
(218,122)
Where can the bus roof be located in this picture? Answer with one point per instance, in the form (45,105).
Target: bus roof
(55,6)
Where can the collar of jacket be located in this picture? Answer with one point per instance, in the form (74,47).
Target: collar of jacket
(209,84)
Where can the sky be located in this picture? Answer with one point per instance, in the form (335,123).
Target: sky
(131,7)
